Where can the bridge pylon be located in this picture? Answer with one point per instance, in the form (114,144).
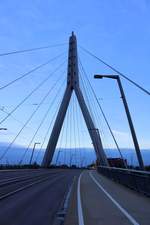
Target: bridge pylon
(73,85)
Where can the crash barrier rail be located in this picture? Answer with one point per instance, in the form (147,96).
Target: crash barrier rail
(134,179)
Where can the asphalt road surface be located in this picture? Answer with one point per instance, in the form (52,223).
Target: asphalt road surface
(105,202)
(33,197)
(97,200)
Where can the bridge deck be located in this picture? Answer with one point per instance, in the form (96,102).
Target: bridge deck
(37,204)
(102,201)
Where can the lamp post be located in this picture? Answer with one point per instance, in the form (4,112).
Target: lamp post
(3,128)
(58,156)
(133,133)
(36,143)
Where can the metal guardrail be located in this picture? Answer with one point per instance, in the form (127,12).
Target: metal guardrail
(134,179)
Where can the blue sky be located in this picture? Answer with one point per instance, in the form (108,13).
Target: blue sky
(117,31)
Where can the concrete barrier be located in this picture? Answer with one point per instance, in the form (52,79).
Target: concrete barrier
(134,179)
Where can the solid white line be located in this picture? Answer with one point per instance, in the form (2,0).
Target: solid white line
(130,218)
(80,211)
(68,195)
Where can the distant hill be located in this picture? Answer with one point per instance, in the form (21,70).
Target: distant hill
(79,156)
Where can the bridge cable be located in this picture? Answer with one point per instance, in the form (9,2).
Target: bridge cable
(117,71)
(87,98)
(102,111)
(98,123)
(59,150)
(70,129)
(29,119)
(93,106)
(60,144)
(33,91)
(90,107)
(75,144)
(48,130)
(94,109)
(83,135)
(7,113)
(66,138)
(78,135)
(30,50)
(71,119)
(42,121)
(30,71)
(46,114)
(70,112)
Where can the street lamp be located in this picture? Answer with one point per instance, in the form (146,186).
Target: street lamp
(36,143)
(133,133)
(3,128)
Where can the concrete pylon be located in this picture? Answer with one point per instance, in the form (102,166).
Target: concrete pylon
(73,85)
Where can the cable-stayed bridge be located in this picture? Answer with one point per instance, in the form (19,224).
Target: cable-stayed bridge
(53,114)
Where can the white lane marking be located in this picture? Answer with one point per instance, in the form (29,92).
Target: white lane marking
(130,218)
(80,211)
(66,203)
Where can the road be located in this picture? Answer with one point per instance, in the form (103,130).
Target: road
(33,197)
(96,200)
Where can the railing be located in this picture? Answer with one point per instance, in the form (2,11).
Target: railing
(134,179)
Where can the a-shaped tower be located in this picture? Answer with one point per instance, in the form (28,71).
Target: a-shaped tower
(73,85)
